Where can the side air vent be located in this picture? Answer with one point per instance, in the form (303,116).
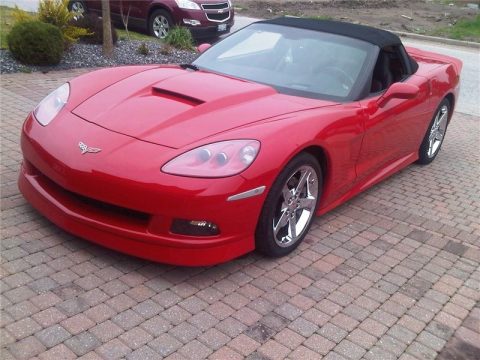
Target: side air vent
(171,95)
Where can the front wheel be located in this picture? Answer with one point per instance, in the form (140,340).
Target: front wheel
(78,7)
(433,139)
(290,206)
(160,24)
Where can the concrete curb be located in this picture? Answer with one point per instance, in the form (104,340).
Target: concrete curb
(436,39)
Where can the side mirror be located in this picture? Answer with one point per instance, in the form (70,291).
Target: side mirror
(398,91)
(203,47)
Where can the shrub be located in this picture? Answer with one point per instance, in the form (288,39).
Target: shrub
(166,49)
(143,49)
(180,37)
(94,26)
(20,15)
(56,12)
(36,43)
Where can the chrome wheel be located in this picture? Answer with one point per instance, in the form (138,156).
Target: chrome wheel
(437,131)
(296,206)
(78,8)
(160,26)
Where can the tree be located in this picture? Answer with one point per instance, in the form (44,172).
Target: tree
(107,29)
(125,17)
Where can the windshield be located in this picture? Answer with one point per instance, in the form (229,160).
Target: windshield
(293,60)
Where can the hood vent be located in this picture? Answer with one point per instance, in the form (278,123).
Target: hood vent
(171,95)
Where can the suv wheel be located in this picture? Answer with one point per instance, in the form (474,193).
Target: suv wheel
(160,24)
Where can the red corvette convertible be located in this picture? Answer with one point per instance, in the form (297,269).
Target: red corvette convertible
(200,163)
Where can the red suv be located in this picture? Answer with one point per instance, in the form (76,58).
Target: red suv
(204,18)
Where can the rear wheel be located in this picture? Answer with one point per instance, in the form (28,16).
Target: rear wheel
(290,207)
(160,24)
(433,139)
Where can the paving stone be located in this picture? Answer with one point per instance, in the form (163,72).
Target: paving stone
(231,327)
(114,349)
(136,337)
(52,335)
(83,343)
(77,324)
(143,353)
(23,328)
(203,321)
(106,331)
(303,327)
(273,350)
(226,353)
(274,321)
(214,338)
(319,344)
(165,344)
(421,351)
(58,352)
(244,344)
(259,332)
(349,349)
(195,350)
(332,332)
(26,348)
(455,248)
(185,332)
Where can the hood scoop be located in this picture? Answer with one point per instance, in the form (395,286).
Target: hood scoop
(175,96)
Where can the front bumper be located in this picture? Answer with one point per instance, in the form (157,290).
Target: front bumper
(208,32)
(207,26)
(133,212)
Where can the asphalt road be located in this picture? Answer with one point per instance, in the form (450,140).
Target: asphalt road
(469,102)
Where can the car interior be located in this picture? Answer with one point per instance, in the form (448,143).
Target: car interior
(389,69)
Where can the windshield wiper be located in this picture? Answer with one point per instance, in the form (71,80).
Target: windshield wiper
(189,66)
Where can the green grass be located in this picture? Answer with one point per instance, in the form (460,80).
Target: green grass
(6,23)
(462,30)
(122,34)
(321,17)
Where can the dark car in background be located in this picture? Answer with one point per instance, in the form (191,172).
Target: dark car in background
(204,18)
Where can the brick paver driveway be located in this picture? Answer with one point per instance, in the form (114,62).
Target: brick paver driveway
(393,273)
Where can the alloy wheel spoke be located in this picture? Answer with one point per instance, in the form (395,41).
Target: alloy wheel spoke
(303,180)
(282,221)
(286,193)
(443,117)
(307,203)
(439,136)
(292,228)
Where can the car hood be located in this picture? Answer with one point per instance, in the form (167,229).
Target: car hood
(174,107)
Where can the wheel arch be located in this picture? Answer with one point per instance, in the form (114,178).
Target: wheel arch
(451,99)
(158,6)
(319,153)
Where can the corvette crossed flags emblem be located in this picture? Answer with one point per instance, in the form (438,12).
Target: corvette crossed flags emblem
(86,149)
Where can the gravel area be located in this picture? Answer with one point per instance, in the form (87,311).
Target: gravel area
(86,55)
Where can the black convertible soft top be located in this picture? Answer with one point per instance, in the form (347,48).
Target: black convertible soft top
(374,36)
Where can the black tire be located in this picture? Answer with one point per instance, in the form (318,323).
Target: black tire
(76,5)
(431,145)
(267,240)
(164,19)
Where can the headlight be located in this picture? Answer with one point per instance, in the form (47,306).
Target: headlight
(220,159)
(187,4)
(50,106)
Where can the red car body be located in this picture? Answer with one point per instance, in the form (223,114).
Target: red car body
(212,19)
(120,199)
